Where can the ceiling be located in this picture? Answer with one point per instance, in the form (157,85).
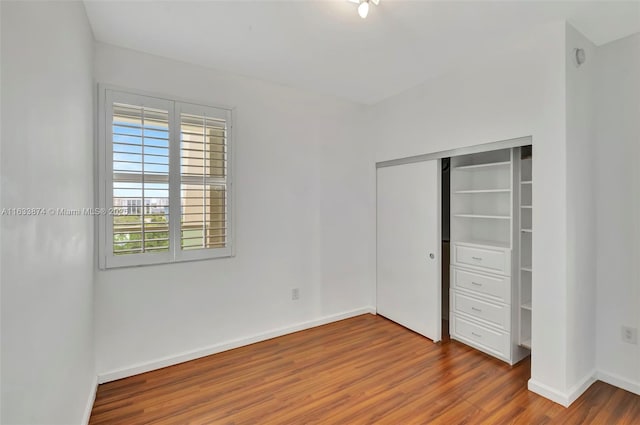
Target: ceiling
(324,46)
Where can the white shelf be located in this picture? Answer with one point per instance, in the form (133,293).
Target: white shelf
(525,182)
(526,230)
(492,217)
(526,343)
(489,164)
(484,243)
(526,306)
(526,269)
(526,206)
(484,191)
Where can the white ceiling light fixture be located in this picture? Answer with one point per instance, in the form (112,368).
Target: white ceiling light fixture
(363,9)
(363,6)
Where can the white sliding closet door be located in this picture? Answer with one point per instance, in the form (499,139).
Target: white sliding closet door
(408,246)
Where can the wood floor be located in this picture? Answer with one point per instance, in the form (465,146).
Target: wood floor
(364,370)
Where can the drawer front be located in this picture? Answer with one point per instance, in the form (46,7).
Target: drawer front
(493,342)
(496,314)
(494,286)
(496,261)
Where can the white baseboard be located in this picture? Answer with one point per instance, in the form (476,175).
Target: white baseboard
(619,381)
(92,398)
(562,398)
(548,392)
(578,389)
(229,345)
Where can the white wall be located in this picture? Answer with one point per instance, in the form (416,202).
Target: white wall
(581,214)
(48,373)
(618,210)
(518,93)
(304,204)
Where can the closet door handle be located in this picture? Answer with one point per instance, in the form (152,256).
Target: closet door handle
(477,258)
(479,310)
(476,335)
(476,283)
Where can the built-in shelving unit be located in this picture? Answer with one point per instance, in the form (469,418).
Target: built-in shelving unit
(484,214)
(525,246)
(481,193)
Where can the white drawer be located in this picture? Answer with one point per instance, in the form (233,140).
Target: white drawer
(485,339)
(495,314)
(493,286)
(488,259)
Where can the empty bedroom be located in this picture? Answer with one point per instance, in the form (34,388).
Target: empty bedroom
(323,211)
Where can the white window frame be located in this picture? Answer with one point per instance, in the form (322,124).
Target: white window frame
(107,95)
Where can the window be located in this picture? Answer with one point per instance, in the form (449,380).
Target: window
(165,180)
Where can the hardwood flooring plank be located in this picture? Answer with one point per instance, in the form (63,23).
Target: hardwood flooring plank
(363,370)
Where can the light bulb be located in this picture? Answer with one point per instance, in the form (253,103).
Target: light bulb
(363,9)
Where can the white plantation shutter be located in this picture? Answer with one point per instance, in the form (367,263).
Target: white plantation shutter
(203,182)
(165,171)
(140,153)
(204,185)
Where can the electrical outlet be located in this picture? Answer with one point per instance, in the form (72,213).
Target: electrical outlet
(295,294)
(630,335)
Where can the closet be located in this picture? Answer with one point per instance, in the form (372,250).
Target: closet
(476,203)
